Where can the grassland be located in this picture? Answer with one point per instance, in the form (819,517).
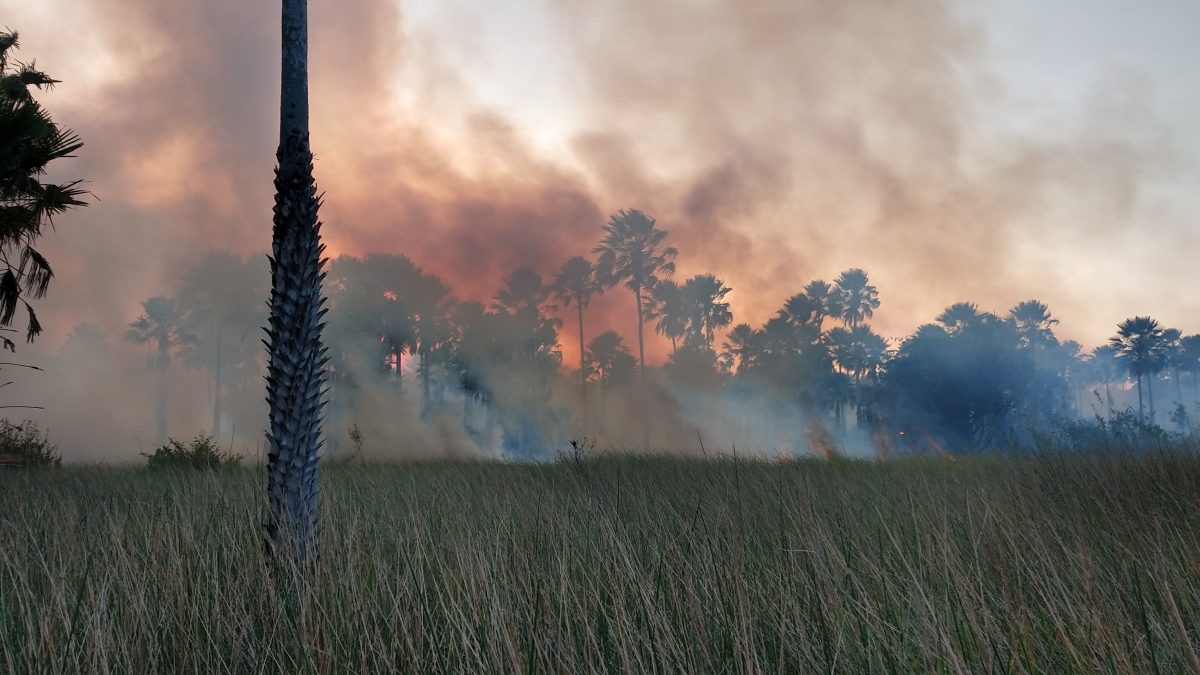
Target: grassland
(1035,564)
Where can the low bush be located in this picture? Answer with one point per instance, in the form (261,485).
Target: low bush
(24,445)
(202,453)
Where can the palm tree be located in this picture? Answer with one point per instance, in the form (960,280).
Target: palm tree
(609,360)
(741,347)
(1174,358)
(668,305)
(631,253)
(1137,345)
(576,283)
(296,357)
(960,316)
(857,299)
(1190,346)
(1033,322)
(161,325)
(1102,365)
(824,300)
(523,297)
(609,363)
(221,297)
(804,314)
(30,142)
(704,296)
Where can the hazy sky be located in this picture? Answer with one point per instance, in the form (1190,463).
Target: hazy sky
(990,152)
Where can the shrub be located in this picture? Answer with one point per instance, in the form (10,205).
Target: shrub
(24,445)
(202,453)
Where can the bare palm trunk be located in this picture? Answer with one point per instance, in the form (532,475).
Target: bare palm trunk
(637,294)
(160,405)
(296,357)
(1141,409)
(425,392)
(582,373)
(216,425)
(1150,394)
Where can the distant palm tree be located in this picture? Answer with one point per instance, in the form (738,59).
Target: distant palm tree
(523,293)
(576,283)
(1103,367)
(805,315)
(161,325)
(707,312)
(1190,346)
(609,360)
(958,317)
(296,357)
(741,347)
(1174,358)
(857,299)
(858,351)
(824,300)
(524,296)
(1138,344)
(221,295)
(1033,322)
(631,253)
(669,306)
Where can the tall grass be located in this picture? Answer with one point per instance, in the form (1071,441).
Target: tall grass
(617,565)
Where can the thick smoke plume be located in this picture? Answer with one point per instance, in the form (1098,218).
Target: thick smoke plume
(777,142)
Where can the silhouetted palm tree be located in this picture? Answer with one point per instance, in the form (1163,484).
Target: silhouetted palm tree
(824,299)
(1173,358)
(668,305)
(161,325)
(1103,367)
(1190,346)
(741,348)
(1138,346)
(524,297)
(703,297)
(296,358)
(575,284)
(609,360)
(29,143)
(631,253)
(958,317)
(857,299)
(1033,322)
(805,315)
(221,296)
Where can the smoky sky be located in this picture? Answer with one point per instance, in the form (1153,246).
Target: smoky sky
(777,142)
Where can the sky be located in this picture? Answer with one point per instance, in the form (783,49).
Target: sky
(991,152)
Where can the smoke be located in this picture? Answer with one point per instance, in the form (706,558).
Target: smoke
(777,142)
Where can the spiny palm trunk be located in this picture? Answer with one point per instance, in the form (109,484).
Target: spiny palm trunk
(296,357)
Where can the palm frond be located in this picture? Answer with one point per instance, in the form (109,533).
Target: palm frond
(36,272)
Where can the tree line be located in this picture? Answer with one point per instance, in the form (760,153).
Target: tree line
(813,371)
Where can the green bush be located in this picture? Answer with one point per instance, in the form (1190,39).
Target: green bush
(202,453)
(24,445)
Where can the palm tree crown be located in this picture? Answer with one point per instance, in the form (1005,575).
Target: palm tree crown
(631,253)
(857,299)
